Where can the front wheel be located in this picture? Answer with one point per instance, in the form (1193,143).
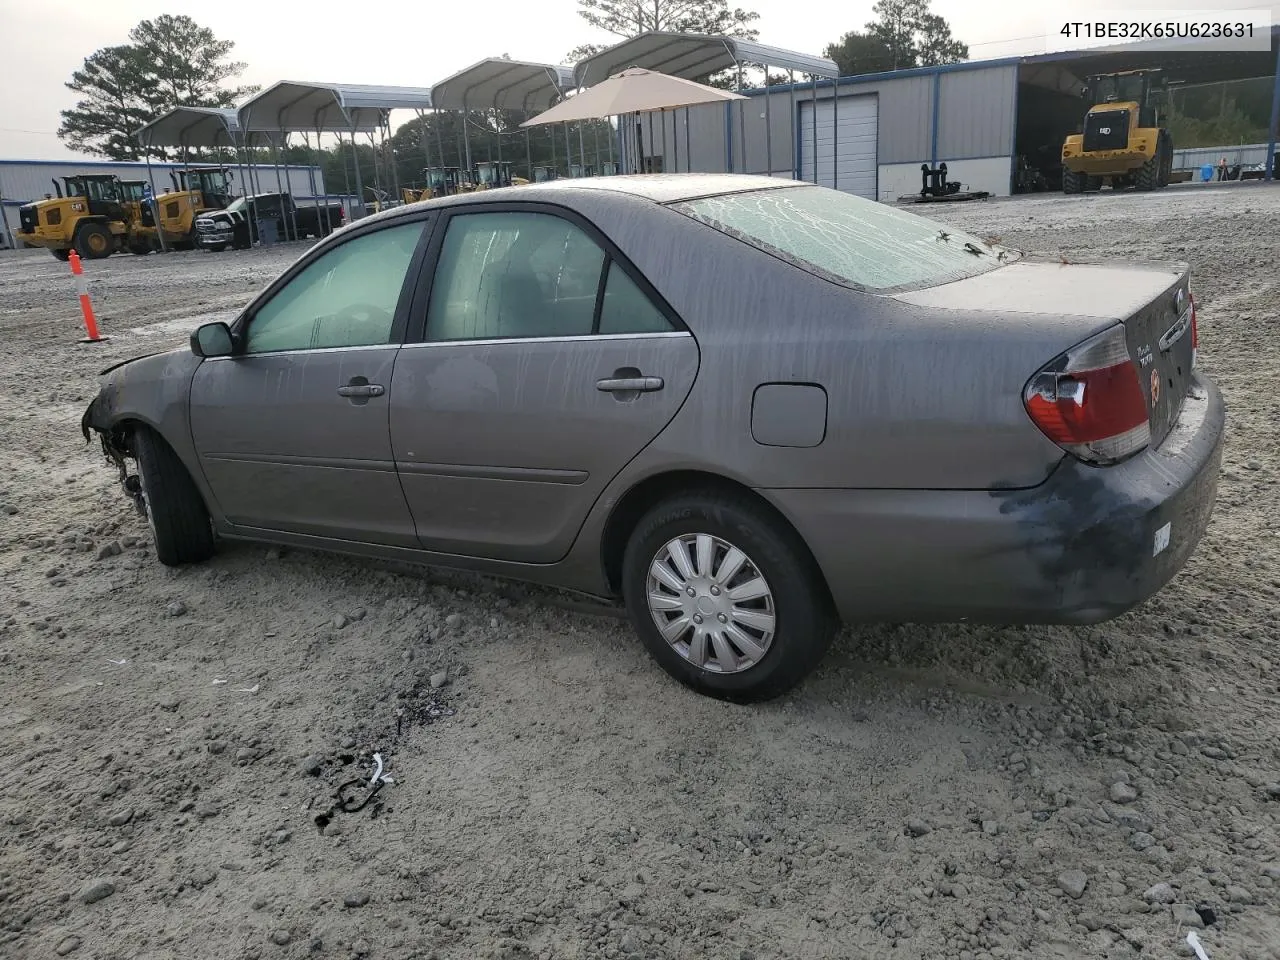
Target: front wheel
(94,241)
(176,512)
(726,597)
(1073,182)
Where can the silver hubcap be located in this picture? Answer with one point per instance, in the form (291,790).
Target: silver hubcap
(711,603)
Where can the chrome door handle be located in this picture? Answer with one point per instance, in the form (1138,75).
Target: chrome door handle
(629,384)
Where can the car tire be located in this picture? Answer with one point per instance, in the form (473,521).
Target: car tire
(94,242)
(176,512)
(797,603)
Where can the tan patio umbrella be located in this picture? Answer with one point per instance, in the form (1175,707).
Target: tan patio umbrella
(633,91)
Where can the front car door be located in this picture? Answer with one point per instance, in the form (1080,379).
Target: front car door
(547,363)
(291,430)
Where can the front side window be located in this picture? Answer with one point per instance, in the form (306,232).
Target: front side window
(345,298)
(503,275)
(847,239)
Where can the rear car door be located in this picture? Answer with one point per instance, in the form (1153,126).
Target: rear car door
(547,363)
(291,430)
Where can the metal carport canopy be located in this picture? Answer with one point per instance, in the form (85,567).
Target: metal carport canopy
(192,127)
(327,107)
(694,56)
(504,85)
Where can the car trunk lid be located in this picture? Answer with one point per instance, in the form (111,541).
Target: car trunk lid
(1151,300)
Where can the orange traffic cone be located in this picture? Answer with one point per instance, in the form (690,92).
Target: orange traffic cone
(86,305)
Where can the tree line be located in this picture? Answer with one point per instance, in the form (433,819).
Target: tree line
(172,61)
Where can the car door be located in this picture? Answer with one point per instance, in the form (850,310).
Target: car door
(547,364)
(291,430)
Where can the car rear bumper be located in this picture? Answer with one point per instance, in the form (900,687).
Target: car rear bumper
(1085,546)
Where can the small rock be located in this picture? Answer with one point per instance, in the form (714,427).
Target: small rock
(176,609)
(1140,841)
(312,765)
(1160,893)
(280,938)
(121,818)
(1132,821)
(453,619)
(108,550)
(273,553)
(354,900)
(339,622)
(10,510)
(1271,871)
(169,704)
(217,746)
(1214,753)
(358,614)
(1239,895)
(206,810)
(630,942)
(1044,916)
(68,945)
(438,680)
(246,755)
(361,948)
(1273,791)
(990,828)
(918,828)
(97,890)
(1073,882)
(1184,915)
(1123,793)
(281,836)
(259,902)
(1253,465)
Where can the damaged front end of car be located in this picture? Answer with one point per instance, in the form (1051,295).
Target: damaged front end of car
(116,439)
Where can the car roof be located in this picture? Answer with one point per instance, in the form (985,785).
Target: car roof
(660,188)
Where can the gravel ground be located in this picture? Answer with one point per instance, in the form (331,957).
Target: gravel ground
(951,792)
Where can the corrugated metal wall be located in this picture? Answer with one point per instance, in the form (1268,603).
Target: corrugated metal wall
(976,115)
(975,119)
(22,181)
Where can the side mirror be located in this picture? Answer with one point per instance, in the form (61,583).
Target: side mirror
(212,340)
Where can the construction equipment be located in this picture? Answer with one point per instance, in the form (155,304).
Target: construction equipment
(1122,140)
(490,175)
(91,217)
(195,190)
(135,196)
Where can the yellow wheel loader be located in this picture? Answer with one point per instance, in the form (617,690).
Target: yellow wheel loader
(1122,141)
(136,199)
(194,191)
(90,217)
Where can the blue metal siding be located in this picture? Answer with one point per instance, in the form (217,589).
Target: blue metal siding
(975,113)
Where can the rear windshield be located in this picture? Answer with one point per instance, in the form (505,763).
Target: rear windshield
(847,239)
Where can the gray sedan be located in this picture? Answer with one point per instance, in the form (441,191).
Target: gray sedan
(746,408)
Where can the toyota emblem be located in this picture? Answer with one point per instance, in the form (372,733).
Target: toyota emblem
(1155,387)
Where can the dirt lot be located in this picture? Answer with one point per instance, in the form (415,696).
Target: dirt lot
(944,792)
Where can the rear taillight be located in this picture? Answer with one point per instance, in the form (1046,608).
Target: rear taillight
(1195,332)
(1089,401)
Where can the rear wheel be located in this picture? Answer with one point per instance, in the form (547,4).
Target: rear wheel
(176,513)
(1148,177)
(1073,182)
(94,241)
(726,597)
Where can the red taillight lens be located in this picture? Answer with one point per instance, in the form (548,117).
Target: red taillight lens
(1090,401)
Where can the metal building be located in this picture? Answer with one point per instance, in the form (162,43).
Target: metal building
(978,118)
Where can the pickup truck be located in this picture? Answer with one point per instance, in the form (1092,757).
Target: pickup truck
(235,225)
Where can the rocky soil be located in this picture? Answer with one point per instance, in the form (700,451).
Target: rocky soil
(175,738)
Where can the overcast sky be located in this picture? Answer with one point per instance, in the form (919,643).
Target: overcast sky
(417,44)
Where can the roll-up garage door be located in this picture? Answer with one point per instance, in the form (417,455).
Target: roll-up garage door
(852,167)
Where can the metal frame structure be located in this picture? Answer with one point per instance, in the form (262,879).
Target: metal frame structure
(501,84)
(187,127)
(294,106)
(696,57)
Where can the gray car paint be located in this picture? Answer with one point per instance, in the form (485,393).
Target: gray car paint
(925,422)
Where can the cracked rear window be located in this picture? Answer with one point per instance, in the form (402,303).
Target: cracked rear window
(847,239)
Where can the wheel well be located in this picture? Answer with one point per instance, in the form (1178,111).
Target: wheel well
(639,499)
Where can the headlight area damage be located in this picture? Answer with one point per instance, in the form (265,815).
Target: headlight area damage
(117,443)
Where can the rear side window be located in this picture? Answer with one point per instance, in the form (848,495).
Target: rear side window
(847,239)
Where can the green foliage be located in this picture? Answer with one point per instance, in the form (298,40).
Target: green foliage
(170,61)
(905,33)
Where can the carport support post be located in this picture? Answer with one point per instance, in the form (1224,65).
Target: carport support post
(662,118)
(293,207)
(1275,120)
(328,222)
(568,150)
(768,124)
(815,128)
(582,147)
(355,160)
(742,120)
(835,134)
(391,158)
(688,150)
(466,135)
(528,149)
(795,129)
(155,205)
(435,122)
